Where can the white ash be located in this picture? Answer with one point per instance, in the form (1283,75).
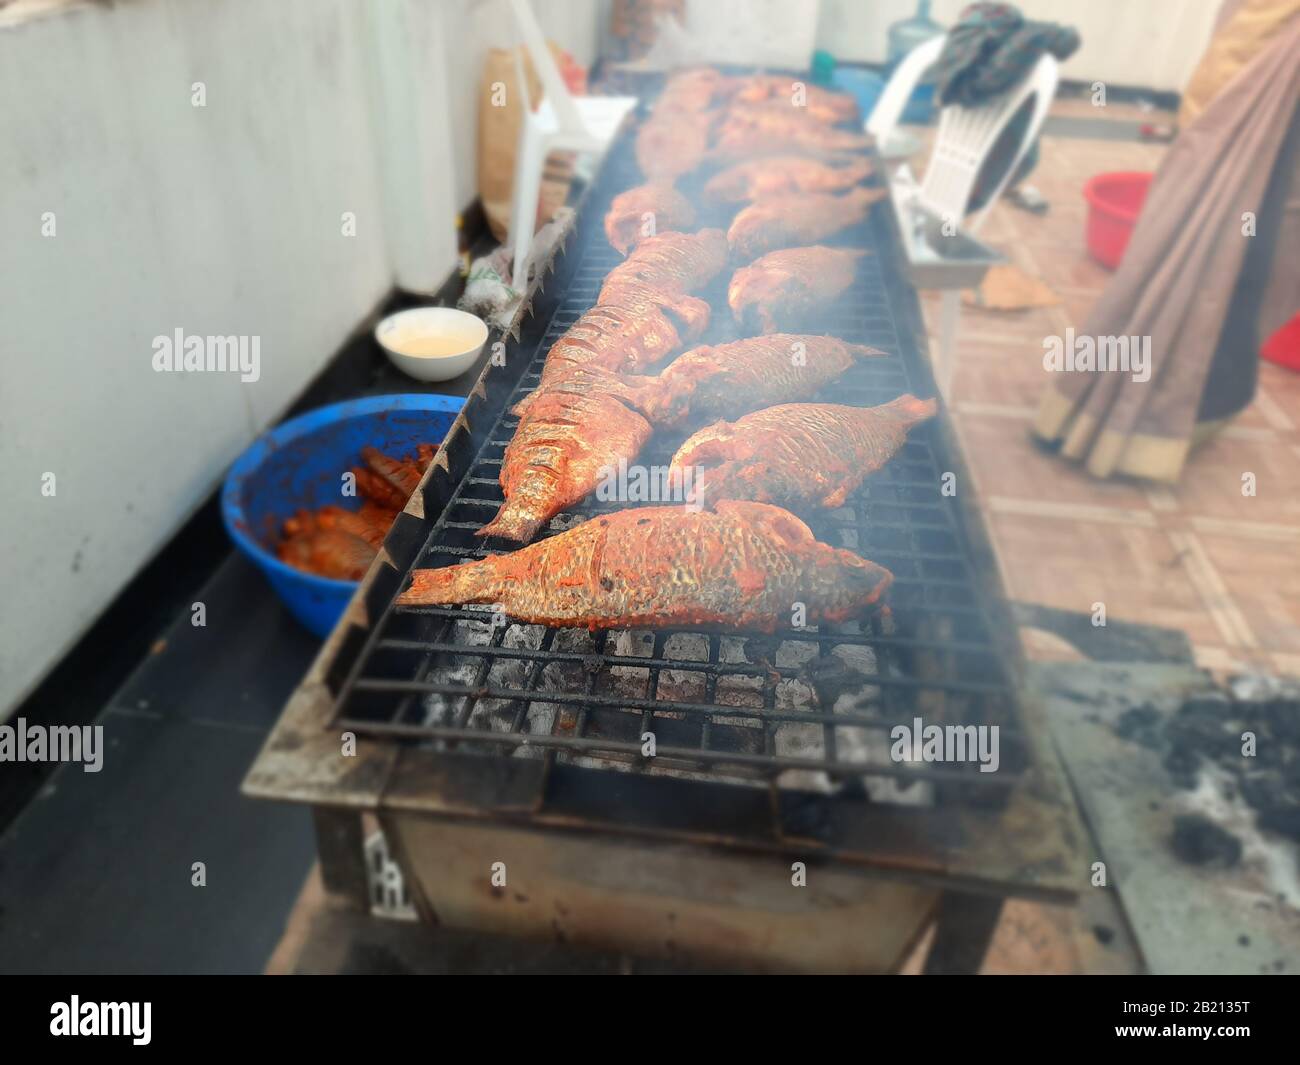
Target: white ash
(1269,863)
(731,649)
(688,646)
(793,739)
(791,654)
(739,691)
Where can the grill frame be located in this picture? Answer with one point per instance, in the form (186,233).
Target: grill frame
(1010,835)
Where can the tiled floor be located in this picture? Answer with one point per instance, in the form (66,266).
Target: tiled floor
(1198,556)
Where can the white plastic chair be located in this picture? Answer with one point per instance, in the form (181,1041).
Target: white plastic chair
(965,137)
(560,123)
(889,108)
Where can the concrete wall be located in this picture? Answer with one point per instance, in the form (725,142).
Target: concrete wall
(225,220)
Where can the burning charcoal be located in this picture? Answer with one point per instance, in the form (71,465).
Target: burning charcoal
(1263,791)
(1283,717)
(1183,767)
(794,653)
(569,641)
(473,631)
(1284,820)
(681,686)
(857,657)
(732,649)
(853,745)
(798,740)
(1199,841)
(740,691)
(623,682)
(688,646)
(759,649)
(793,695)
(634,643)
(1140,724)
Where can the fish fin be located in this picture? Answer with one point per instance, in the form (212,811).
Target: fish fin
(864,351)
(715,443)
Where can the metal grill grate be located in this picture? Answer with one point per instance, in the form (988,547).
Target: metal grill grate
(807,709)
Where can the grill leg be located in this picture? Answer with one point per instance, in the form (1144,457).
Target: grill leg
(963,933)
(341,846)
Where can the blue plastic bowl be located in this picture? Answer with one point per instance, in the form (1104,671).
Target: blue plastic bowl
(300,464)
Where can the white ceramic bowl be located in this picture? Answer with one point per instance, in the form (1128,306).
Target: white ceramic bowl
(432,343)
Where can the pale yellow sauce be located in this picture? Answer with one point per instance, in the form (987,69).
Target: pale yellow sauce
(421,344)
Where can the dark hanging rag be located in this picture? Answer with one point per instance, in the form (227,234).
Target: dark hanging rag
(990,49)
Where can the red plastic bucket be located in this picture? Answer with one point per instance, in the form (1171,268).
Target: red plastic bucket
(1114,203)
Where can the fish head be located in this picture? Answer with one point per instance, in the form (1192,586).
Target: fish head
(846,584)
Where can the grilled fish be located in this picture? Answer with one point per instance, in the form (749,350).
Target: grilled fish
(669,264)
(743,565)
(796,219)
(782,174)
(779,129)
(820,104)
(785,288)
(673,141)
(639,213)
(696,89)
(727,380)
(566,442)
(799,454)
(623,339)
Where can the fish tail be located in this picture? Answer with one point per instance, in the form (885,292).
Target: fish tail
(511,523)
(910,409)
(470,582)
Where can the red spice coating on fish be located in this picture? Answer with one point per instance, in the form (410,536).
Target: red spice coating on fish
(796,219)
(789,287)
(669,263)
(743,565)
(641,212)
(799,454)
(784,174)
(727,380)
(565,443)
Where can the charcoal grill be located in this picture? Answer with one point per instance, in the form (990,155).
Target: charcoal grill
(481,740)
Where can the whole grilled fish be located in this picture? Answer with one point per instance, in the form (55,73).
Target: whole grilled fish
(670,264)
(783,174)
(673,141)
(622,340)
(743,565)
(567,441)
(643,211)
(820,104)
(786,288)
(696,89)
(799,454)
(796,219)
(727,380)
(777,128)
